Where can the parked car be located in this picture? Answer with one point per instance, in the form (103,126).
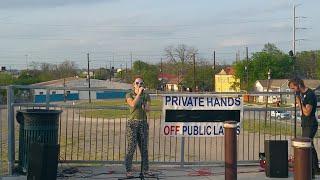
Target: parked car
(298,116)
(280,114)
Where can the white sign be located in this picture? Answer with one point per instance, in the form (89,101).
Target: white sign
(200,115)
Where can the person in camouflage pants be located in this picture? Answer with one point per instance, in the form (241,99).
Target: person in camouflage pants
(137,127)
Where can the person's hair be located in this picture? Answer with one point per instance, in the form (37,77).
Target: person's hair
(137,77)
(297,82)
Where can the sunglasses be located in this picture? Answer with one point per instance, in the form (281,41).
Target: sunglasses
(137,83)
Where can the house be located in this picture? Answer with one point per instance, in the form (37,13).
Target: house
(225,81)
(170,82)
(280,85)
(113,89)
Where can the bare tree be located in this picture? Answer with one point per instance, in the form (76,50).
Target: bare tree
(181,53)
(180,56)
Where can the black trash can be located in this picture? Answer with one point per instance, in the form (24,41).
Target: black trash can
(36,126)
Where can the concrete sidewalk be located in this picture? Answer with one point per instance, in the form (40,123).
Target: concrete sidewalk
(162,172)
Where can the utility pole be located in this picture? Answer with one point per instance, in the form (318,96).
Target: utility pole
(247,65)
(214,59)
(110,70)
(89,77)
(267,99)
(295,28)
(194,71)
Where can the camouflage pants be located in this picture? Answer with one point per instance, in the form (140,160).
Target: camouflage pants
(137,133)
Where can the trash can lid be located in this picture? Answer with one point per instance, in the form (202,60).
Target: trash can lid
(301,142)
(40,111)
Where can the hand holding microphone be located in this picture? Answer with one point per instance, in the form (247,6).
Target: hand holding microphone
(141,89)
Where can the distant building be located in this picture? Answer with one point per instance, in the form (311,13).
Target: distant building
(225,81)
(170,82)
(281,85)
(113,89)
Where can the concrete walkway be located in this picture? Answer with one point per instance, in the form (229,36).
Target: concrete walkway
(162,172)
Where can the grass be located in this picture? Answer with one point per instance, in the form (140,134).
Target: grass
(274,128)
(108,113)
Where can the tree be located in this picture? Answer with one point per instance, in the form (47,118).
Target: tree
(204,75)
(102,73)
(148,72)
(270,57)
(308,64)
(180,56)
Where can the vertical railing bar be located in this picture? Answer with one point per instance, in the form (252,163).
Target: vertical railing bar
(79,122)
(170,149)
(270,124)
(188,149)
(60,127)
(66,143)
(102,145)
(1,150)
(84,134)
(254,133)
(210,148)
(159,148)
(125,136)
(205,147)
(120,140)
(108,139)
(194,149)
(182,152)
(243,143)
(11,133)
(216,148)
(90,134)
(72,133)
(164,149)
(114,137)
(199,149)
(259,131)
(175,150)
(154,134)
(249,136)
(97,124)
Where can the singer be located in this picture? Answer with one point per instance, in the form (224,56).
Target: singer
(306,100)
(137,127)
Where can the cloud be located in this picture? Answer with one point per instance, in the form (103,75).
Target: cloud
(233,42)
(17,4)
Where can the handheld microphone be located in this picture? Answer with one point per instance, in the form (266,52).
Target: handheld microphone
(142,89)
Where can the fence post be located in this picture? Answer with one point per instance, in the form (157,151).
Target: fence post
(182,151)
(11,139)
(302,158)
(230,144)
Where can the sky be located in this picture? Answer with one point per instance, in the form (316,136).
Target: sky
(110,30)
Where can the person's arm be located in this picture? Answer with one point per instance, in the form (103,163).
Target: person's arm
(147,107)
(133,102)
(306,109)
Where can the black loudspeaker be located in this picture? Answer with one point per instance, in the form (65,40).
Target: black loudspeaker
(43,162)
(276,158)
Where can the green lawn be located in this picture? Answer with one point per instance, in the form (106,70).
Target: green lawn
(108,113)
(273,128)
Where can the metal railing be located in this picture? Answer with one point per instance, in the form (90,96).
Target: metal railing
(94,133)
